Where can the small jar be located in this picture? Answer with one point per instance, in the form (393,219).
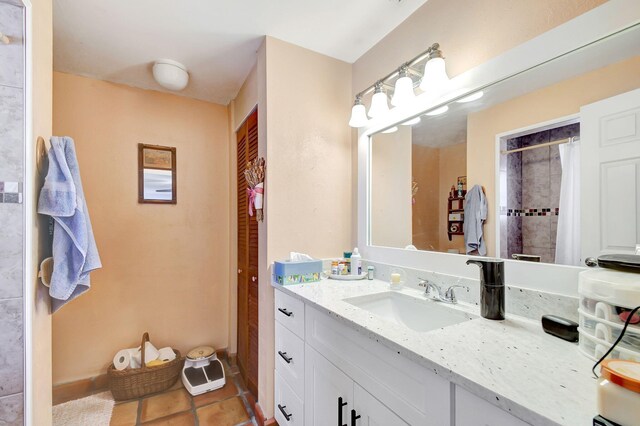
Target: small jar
(370,270)
(334,268)
(619,391)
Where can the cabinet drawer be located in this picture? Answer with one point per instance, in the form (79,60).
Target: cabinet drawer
(287,404)
(290,358)
(474,411)
(289,312)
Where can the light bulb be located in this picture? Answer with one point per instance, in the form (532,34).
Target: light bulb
(438,111)
(358,115)
(411,122)
(403,92)
(379,105)
(391,130)
(472,97)
(435,78)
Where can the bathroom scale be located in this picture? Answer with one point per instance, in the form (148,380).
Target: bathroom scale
(202,371)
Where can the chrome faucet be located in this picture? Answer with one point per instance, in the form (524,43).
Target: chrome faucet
(447,296)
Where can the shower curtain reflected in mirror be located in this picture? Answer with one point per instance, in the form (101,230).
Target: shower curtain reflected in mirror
(568,237)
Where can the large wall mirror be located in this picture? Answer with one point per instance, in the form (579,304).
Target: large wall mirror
(555,150)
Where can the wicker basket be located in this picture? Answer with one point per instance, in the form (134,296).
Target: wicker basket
(137,382)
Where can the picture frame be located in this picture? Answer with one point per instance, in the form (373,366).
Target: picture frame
(157,174)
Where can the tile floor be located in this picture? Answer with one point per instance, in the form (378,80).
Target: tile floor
(228,406)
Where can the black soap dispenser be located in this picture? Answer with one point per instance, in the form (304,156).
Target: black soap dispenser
(491,287)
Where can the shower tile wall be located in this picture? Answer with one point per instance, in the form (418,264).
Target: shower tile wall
(533,187)
(11,216)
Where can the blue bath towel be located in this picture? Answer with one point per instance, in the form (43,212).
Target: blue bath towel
(75,253)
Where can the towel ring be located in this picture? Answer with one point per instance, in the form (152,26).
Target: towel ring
(42,159)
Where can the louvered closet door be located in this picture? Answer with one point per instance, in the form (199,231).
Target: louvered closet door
(247,150)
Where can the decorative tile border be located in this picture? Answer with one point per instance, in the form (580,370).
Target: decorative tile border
(533,212)
(11,192)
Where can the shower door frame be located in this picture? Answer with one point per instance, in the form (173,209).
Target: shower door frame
(30,215)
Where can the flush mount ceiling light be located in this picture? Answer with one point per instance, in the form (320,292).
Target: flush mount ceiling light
(472,97)
(170,74)
(432,75)
(438,111)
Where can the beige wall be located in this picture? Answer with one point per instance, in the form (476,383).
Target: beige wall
(41,104)
(425,170)
(452,163)
(391,188)
(469,33)
(553,102)
(165,267)
(308,184)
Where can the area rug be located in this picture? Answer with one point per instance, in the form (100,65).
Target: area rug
(94,410)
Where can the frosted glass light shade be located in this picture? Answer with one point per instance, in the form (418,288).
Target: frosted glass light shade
(358,116)
(403,93)
(391,130)
(435,76)
(170,74)
(379,105)
(471,98)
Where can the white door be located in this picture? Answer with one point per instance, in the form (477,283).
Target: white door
(328,396)
(371,411)
(610,167)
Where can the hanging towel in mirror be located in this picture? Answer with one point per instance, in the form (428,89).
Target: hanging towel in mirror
(475,213)
(75,253)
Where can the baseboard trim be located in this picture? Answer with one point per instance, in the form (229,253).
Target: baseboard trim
(260,417)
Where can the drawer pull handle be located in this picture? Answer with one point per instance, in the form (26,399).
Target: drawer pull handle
(354,417)
(340,405)
(284,311)
(285,357)
(284,413)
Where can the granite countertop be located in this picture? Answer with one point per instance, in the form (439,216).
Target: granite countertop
(512,364)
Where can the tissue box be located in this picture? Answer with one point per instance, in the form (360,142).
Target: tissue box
(307,271)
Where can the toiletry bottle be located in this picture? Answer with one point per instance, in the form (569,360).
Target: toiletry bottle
(347,261)
(491,288)
(370,270)
(356,262)
(459,189)
(334,267)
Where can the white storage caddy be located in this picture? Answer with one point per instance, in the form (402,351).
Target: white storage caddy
(602,293)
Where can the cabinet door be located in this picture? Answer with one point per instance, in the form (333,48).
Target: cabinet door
(371,411)
(325,384)
(474,411)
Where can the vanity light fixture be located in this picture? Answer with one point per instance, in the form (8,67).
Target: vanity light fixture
(358,114)
(435,76)
(438,111)
(403,92)
(434,79)
(472,97)
(379,105)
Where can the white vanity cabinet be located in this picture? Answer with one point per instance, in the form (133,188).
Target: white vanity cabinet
(327,372)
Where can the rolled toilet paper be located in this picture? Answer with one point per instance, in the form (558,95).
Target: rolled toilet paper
(166,354)
(150,352)
(125,358)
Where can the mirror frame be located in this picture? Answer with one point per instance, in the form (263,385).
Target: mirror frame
(599,23)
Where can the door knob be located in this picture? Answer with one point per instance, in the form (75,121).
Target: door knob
(254,279)
(239,271)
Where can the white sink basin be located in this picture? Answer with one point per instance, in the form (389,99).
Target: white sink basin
(420,315)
